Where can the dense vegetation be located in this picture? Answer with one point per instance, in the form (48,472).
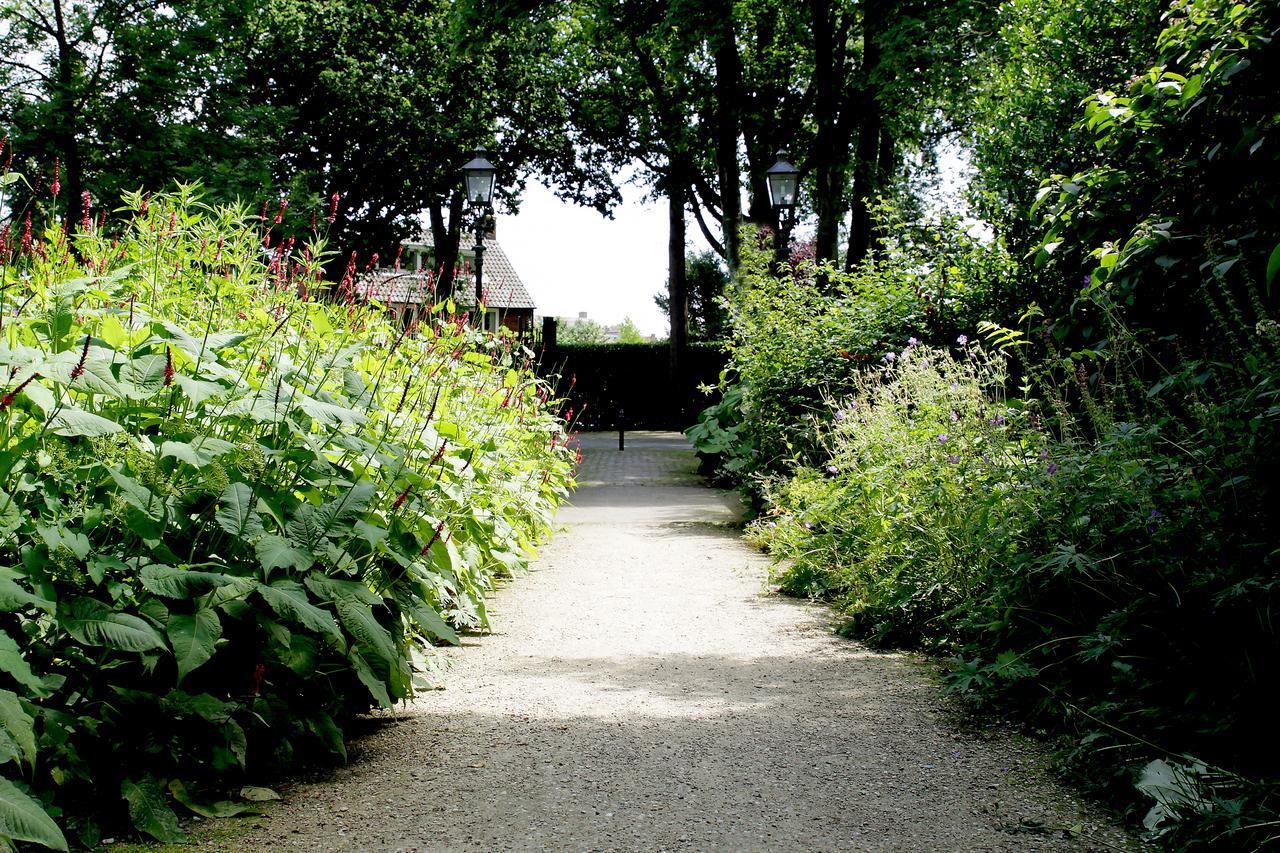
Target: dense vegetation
(237,507)
(1051,454)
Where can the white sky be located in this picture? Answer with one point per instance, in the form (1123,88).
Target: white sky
(573,259)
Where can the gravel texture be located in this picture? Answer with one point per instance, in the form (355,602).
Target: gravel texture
(642,690)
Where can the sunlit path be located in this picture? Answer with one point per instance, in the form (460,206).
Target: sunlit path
(643,692)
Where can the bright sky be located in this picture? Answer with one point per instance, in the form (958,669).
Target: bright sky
(573,259)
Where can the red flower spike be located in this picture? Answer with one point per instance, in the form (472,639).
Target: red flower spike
(78,370)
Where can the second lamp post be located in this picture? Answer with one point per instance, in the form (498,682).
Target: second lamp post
(478,178)
(784,190)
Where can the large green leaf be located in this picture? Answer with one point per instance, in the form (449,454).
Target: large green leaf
(238,587)
(339,514)
(210,808)
(433,623)
(193,639)
(370,679)
(290,600)
(330,414)
(143,377)
(199,390)
(150,810)
(10,517)
(71,421)
(13,663)
(24,819)
(235,511)
(96,624)
(171,582)
(276,552)
(95,375)
(13,596)
(186,452)
(138,495)
(335,589)
(17,725)
(202,705)
(357,617)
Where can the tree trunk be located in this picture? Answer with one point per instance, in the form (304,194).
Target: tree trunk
(867,179)
(865,186)
(68,132)
(677,282)
(446,237)
(827,160)
(728,85)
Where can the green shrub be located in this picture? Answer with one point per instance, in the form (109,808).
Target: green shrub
(930,478)
(801,338)
(1109,573)
(236,508)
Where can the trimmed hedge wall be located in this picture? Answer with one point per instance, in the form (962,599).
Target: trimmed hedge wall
(634,380)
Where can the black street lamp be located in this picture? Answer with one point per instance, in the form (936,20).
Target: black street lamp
(784,190)
(478,178)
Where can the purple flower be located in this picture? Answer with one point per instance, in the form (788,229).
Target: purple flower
(1052,468)
(942,438)
(832,470)
(839,416)
(924,362)
(953,459)
(1155,513)
(771,524)
(890,356)
(808,525)
(955,416)
(963,340)
(1044,454)
(911,342)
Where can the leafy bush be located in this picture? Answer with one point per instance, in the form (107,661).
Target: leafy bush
(1112,576)
(930,475)
(236,508)
(800,338)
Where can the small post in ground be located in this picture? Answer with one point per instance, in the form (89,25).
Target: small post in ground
(622,438)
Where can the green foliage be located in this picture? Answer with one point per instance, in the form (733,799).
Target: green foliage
(1081,513)
(707,281)
(236,508)
(906,518)
(581,331)
(628,333)
(1183,188)
(800,338)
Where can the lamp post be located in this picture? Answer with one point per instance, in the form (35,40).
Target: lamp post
(784,189)
(478,178)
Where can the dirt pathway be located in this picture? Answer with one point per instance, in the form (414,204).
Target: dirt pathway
(642,692)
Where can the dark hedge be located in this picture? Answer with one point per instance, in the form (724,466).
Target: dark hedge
(630,385)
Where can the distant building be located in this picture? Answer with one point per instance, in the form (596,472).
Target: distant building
(406,292)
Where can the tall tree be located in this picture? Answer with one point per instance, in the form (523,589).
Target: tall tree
(647,78)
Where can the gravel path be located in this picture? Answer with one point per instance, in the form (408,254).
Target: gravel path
(642,691)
